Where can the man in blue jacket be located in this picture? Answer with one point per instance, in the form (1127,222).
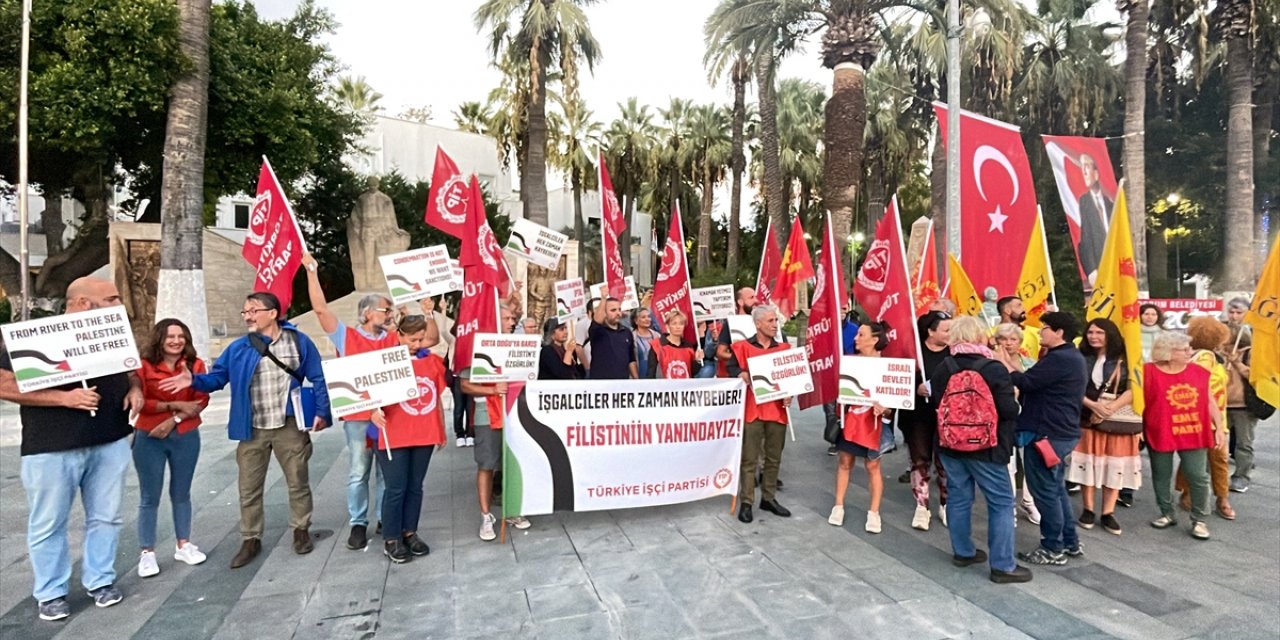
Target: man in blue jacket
(266,369)
(1052,394)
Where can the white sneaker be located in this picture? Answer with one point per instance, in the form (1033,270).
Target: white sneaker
(486,526)
(836,519)
(471,442)
(147,565)
(942,515)
(1033,514)
(519,522)
(921,519)
(873,522)
(190,554)
(462,442)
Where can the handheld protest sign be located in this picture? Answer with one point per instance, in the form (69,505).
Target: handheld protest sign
(889,381)
(74,347)
(419,273)
(505,357)
(571,299)
(780,374)
(741,327)
(629,301)
(369,380)
(535,243)
(712,303)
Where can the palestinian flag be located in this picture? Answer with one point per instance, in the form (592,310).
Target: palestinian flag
(342,394)
(29,364)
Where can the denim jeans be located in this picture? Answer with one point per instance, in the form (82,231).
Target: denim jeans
(361,467)
(1049,490)
(178,451)
(51,481)
(402,503)
(993,479)
(461,407)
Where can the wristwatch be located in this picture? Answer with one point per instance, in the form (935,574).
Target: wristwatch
(177,419)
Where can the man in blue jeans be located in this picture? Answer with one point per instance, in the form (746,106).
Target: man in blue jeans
(75,437)
(1052,394)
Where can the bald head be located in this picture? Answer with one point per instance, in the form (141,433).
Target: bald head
(746,300)
(89,292)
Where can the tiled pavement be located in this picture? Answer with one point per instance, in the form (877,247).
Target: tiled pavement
(671,572)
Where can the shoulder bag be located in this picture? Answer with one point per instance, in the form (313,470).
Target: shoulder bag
(302,397)
(1124,421)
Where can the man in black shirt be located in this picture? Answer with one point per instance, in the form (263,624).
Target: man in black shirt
(75,437)
(613,346)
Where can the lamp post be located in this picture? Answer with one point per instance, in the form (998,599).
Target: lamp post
(953,127)
(1173,199)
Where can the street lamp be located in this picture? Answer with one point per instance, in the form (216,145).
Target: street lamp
(1173,199)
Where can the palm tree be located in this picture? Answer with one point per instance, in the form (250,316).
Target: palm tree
(472,117)
(1135,104)
(356,95)
(734,59)
(629,144)
(671,154)
(574,138)
(180,289)
(800,123)
(709,151)
(1234,20)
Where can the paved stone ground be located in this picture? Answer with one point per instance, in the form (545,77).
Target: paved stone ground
(689,571)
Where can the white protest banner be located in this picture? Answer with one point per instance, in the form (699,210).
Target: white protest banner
(571,299)
(535,243)
(741,327)
(419,273)
(53,351)
(592,445)
(505,357)
(631,301)
(712,303)
(780,374)
(889,381)
(369,380)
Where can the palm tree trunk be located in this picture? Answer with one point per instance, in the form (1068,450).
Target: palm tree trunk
(624,241)
(704,219)
(1135,103)
(737,162)
(775,205)
(533,179)
(1268,94)
(876,191)
(1239,259)
(579,232)
(846,120)
(180,292)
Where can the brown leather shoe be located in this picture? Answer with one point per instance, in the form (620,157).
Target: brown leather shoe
(249,550)
(302,541)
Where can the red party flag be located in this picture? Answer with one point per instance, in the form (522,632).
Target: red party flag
(612,226)
(770,260)
(447,202)
(484,255)
(925,285)
(823,342)
(796,267)
(671,290)
(273,242)
(883,286)
(477,313)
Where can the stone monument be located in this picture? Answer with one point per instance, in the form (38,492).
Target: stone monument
(372,231)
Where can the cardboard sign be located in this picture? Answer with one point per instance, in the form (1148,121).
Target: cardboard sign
(629,302)
(53,351)
(713,303)
(535,243)
(571,299)
(420,273)
(369,380)
(780,374)
(505,357)
(889,381)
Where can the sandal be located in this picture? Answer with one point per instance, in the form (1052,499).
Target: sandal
(1225,511)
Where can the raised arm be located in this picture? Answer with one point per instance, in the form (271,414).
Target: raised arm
(328,321)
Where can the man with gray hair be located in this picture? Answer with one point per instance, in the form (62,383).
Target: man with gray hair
(764,429)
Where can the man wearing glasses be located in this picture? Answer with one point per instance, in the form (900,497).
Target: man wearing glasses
(264,368)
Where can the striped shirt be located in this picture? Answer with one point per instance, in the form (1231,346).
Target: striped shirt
(269,388)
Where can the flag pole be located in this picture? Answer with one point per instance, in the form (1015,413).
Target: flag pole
(287,205)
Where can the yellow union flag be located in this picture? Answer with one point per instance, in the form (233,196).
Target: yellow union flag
(1264,317)
(961,290)
(1035,283)
(1115,293)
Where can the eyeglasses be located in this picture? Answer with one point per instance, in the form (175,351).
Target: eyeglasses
(383,309)
(249,313)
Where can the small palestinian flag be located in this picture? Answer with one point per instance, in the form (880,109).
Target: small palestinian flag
(763,385)
(342,394)
(854,391)
(401,286)
(483,365)
(29,364)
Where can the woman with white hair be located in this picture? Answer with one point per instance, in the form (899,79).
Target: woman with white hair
(1008,348)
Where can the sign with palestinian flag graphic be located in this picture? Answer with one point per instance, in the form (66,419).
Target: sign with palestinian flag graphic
(53,351)
(584,445)
(420,273)
(535,243)
(571,299)
(780,374)
(889,381)
(505,357)
(629,301)
(369,380)
(713,303)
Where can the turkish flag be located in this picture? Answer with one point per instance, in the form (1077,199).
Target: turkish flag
(770,261)
(796,267)
(477,313)
(671,290)
(612,226)
(447,202)
(925,286)
(882,286)
(273,242)
(823,342)
(482,258)
(997,199)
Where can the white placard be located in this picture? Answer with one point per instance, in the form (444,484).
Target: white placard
(571,299)
(889,381)
(741,327)
(630,301)
(535,243)
(780,374)
(420,273)
(505,357)
(369,380)
(712,303)
(53,351)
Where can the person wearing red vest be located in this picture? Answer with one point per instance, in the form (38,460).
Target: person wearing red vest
(408,434)
(764,428)
(670,356)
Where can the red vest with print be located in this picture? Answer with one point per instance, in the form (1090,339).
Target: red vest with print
(744,350)
(673,362)
(418,422)
(356,342)
(1176,416)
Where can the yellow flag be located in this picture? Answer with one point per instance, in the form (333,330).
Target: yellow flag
(1264,317)
(961,291)
(1115,293)
(1035,283)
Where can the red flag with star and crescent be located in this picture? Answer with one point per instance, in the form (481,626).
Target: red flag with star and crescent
(612,226)
(770,260)
(883,285)
(997,198)
(447,201)
(796,267)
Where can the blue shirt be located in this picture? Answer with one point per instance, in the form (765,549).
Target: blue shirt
(849,331)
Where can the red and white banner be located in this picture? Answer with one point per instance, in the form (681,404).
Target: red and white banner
(823,341)
(447,201)
(882,286)
(796,268)
(770,261)
(482,258)
(612,227)
(671,289)
(997,199)
(1179,311)
(477,313)
(273,243)
(1087,186)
